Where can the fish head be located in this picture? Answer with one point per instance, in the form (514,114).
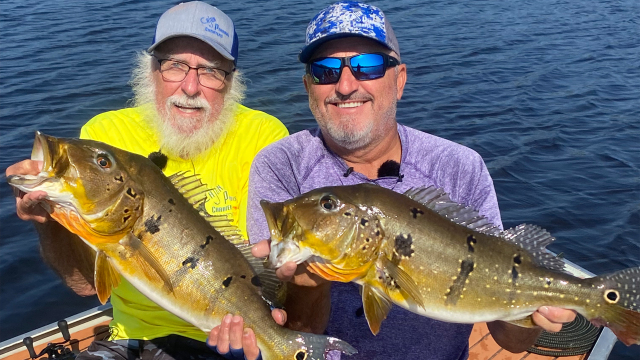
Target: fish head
(88,189)
(328,228)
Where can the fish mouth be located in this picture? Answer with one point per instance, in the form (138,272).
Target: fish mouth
(285,235)
(45,148)
(41,152)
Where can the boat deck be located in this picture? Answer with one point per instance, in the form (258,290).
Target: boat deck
(481,344)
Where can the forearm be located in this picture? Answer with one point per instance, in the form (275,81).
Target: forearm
(308,308)
(68,256)
(513,338)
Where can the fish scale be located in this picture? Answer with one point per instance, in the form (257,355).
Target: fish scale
(440,259)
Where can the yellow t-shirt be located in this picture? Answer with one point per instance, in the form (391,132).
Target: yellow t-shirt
(224,169)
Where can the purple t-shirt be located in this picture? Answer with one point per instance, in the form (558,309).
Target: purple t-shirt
(301,162)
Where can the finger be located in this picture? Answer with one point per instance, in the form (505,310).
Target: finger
(212,340)
(280,316)
(24,167)
(557,315)
(286,271)
(544,323)
(223,337)
(250,345)
(261,249)
(235,332)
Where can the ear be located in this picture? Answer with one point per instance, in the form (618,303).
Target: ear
(401,79)
(305,81)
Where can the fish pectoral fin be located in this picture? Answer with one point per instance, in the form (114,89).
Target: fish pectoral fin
(404,281)
(524,322)
(146,260)
(376,307)
(105,277)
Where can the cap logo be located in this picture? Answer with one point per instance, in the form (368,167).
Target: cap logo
(212,26)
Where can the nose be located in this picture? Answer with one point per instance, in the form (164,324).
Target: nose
(347,83)
(191,85)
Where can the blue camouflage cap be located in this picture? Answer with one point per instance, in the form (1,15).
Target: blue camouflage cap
(348,18)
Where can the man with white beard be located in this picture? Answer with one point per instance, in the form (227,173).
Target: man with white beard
(188,115)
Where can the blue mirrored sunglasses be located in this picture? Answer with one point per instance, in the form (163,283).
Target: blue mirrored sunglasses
(364,67)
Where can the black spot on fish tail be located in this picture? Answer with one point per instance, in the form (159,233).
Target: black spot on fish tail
(172,202)
(301,355)
(256,281)
(191,262)
(347,214)
(455,291)
(206,241)
(119,178)
(403,245)
(152,224)
(159,159)
(416,212)
(471,242)
(364,222)
(131,193)
(227,281)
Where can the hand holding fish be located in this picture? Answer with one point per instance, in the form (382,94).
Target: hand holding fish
(551,318)
(289,271)
(28,205)
(232,336)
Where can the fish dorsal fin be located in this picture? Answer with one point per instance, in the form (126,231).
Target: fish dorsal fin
(273,290)
(439,201)
(105,277)
(534,239)
(192,188)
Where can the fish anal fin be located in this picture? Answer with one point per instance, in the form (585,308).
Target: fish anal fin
(146,260)
(402,280)
(105,277)
(376,307)
(526,322)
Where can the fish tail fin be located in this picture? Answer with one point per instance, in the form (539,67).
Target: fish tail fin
(316,346)
(621,305)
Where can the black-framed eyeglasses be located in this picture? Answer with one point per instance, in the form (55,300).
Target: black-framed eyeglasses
(175,71)
(327,70)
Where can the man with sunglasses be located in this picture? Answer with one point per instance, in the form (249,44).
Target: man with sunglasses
(354,78)
(188,115)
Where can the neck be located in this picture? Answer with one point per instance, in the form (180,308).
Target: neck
(367,160)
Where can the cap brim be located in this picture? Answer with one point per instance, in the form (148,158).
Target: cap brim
(214,45)
(307,51)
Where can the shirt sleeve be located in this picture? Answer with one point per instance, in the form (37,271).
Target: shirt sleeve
(271,178)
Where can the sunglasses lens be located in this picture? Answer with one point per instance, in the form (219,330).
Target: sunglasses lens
(326,71)
(368,66)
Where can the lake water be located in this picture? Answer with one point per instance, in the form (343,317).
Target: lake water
(547,91)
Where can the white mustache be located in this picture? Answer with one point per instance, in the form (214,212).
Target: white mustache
(187,101)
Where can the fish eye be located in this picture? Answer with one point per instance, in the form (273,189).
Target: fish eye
(328,203)
(103,161)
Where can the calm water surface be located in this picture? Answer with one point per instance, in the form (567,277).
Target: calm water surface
(547,91)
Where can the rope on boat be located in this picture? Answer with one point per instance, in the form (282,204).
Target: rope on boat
(575,338)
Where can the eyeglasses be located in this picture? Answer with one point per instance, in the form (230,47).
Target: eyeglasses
(363,67)
(176,71)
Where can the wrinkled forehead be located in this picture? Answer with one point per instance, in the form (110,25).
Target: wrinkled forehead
(185,46)
(348,46)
